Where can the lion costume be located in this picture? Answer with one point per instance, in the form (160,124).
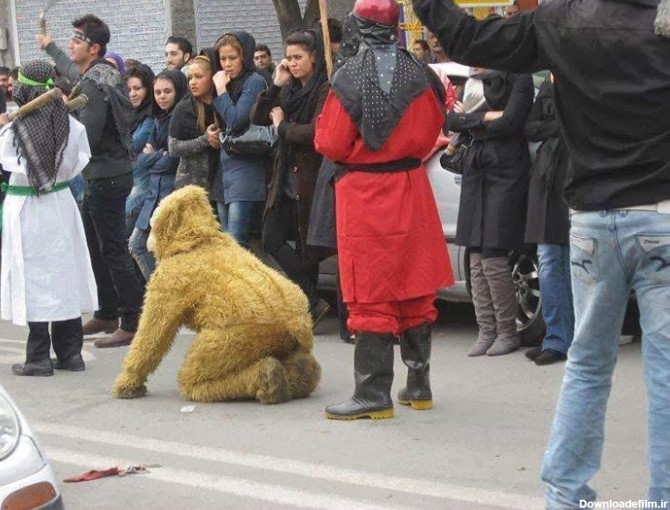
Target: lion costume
(254,332)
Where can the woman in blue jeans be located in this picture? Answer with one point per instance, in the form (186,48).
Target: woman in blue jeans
(548,226)
(168,89)
(238,86)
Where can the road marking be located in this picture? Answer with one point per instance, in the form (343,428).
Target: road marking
(277,494)
(296,467)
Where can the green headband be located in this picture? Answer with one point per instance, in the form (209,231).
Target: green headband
(27,81)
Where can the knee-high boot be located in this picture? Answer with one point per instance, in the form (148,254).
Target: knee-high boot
(373,373)
(481,298)
(415,346)
(503,293)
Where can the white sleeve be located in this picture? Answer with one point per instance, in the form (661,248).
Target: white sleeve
(77,152)
(9,157)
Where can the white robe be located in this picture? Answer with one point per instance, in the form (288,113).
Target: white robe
(46,268)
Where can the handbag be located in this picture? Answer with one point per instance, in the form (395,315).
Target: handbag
(255,141)
(454,162)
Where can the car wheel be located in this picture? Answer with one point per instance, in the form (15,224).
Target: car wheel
(525,273)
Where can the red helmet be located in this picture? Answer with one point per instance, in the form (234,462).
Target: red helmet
(384,12)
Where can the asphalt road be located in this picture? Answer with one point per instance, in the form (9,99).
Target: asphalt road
(480,448)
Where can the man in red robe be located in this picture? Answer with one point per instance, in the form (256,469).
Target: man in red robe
(382,117)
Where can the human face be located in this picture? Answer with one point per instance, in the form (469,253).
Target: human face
(81,53)
(511,10)
(300,62)
(164,94)
(200,81)
(434,43)
(418,51)
(10,86)
(4,81)
(262,59)
(136,91)
(174,57)
(231,61)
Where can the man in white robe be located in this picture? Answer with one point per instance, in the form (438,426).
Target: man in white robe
(46,268)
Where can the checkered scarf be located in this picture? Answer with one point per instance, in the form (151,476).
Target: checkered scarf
(40,137)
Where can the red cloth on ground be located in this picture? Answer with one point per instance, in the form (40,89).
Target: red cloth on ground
(391,246)
(393,317)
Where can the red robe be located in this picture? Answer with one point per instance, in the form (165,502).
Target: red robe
(390,242)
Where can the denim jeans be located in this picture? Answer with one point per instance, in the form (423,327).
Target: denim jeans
(611,253)
(137,244)
(104,217)
(239,219)
(557,309)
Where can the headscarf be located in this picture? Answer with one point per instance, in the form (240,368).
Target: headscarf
(162,117)
(378,84)
(248,44)
(146,76)
(40,137)
(497,86)
(120,64)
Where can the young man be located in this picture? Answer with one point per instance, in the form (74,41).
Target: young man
(46,271)
(391,251)
(178,52)
(263,59)
(617,134)
(109,180)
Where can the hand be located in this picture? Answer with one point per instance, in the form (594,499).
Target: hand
(44,40)
(277,115)
(221,81)
(4,119)
(459,107)
(282,74)
(213,136)
(148,149)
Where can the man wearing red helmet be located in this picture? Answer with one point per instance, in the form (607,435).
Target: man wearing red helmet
(381,118)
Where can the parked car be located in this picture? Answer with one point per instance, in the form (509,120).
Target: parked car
(447,190)
(26,479)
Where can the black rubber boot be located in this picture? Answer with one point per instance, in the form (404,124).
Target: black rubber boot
(415,351)
(42,368)
(373,372)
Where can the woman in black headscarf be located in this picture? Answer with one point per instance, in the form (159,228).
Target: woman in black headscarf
(169,88)
(194,128)
(139,82)
(243,177)
(292,104)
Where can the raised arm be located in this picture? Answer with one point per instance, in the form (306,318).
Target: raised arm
(508,44)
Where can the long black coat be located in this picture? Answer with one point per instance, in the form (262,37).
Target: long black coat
(548,219)
(494,189)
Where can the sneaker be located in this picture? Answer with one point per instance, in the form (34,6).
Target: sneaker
(550,356)
(533,353)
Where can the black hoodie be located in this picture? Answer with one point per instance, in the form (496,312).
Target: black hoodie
(612,82)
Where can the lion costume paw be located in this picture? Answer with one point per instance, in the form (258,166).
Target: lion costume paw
(253,328)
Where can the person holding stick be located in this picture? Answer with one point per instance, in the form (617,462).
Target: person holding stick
(46,272)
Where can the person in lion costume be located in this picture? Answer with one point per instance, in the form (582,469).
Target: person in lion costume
(254,331)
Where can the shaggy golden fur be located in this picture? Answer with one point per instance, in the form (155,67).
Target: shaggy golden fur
(254,331)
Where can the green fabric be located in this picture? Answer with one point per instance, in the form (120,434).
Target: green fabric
(27,191)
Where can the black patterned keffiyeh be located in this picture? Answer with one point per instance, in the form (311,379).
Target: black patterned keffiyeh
(40,137)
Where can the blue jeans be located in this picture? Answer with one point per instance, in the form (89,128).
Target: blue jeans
(137,244)
(556,288)
(239,219)
(612,253)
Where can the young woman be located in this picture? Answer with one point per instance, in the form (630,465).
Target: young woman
(292,104)
(139,82)
(492,217)
(194,129)
(238,86)
(168,89)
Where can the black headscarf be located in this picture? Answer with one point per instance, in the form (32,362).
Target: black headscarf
(40,137)
(378,84)
(297,100)
(248,44)
(162,117)
(146,76)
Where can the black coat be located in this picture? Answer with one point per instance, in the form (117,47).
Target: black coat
(494,189)
(548,219)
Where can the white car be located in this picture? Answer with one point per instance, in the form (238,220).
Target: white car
(26,479)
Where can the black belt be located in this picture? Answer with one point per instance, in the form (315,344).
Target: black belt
(400,165)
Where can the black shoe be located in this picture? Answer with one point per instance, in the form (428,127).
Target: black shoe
(550,356)
(319,311)
(42,368)
(534,352)
(74,363)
